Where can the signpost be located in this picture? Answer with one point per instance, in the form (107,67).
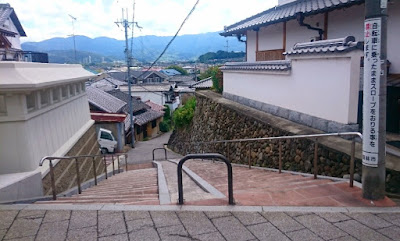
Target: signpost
(374,103)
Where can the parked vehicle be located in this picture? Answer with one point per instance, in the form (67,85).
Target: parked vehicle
(106,140)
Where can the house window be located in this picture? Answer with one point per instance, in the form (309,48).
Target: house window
(71,90)
(3,107)
(31,102)
(56,95)
(138,130)
(64,92)
(44,98)
(150,80)
(154,124)
(157,79)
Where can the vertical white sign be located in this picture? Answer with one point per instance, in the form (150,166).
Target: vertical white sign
(372,77)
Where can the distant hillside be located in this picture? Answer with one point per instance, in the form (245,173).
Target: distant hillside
(68,56)
(145,48)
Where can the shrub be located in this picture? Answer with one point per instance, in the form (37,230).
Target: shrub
(164,127)
(183,116)
(216,74)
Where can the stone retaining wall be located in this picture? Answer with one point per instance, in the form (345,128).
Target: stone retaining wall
(65,170)
(215,121)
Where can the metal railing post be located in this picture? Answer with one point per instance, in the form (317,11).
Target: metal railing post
(126,162)
(94,171)
(228,155)
(315,158)
(119,169)
(280,156)
(353,152)
(249,157)
(53,182)
(206,156)
(113,164)
(78,179)
(105,166)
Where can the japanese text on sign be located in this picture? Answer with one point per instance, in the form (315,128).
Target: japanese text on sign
(372,73)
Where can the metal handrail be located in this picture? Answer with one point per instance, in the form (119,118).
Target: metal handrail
(205,156)
(51,158)
(161,148)
(282,138)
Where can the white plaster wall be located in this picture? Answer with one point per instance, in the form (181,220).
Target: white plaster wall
(271,37)
(24,143)
(299,34)
(251,46)
(347,22)
(321,87)
(153,97)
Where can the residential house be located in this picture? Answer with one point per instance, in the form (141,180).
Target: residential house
(155,106)
(147,120)
(206,83)
(10,32)
(170,72)
(140,77)
(161,94)
(303,62)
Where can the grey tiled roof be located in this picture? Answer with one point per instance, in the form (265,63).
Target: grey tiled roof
(203,84)
(286,12)
(278,65)
(108,83)
(147,116)
(339,45)
(136,104)
(6,11)
(104,101)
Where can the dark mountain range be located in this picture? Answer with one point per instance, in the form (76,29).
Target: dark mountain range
(145,48)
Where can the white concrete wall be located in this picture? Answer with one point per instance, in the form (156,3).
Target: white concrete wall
(393,46)
(251,46)
(347,22)
(299,34)
(24,142)
(324,87)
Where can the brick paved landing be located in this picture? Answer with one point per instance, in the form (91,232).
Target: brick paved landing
(255,187)
(136,187)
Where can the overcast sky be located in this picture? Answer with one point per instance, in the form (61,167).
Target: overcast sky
(44,19)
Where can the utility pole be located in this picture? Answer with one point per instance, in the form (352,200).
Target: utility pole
(125,23)
(73,19)
(374,110)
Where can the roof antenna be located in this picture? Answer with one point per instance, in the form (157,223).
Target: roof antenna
(73,34)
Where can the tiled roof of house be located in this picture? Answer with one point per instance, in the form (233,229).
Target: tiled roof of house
(108,83)
(6,11)
(339,45)
(287,12)
(147,116)
(137,105)
(119,75)
(155,106)
(278,65)
(203,84)
(103,100)
(148,88)
(181,78)
(170,72)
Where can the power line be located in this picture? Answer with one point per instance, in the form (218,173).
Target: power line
(173,38)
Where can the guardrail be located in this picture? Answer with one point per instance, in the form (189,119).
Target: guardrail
(205,156)
(314,137)
(76,158)
(161,148)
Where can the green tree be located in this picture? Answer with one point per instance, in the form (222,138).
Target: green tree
(216,74)
(183,116)
(178,68)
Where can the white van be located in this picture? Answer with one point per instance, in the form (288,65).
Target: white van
(106,140)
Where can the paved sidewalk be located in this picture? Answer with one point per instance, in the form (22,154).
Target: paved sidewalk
(143,151)
(197,225)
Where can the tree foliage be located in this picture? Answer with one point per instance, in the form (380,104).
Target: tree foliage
(210,56)
(178,68)
(183,116)
(216,74)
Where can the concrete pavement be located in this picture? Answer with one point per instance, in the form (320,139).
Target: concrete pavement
(143,151)
(102,222)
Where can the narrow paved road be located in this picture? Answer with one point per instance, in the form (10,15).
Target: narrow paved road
(143,151)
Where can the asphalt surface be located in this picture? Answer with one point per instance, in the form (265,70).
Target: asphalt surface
(143,151)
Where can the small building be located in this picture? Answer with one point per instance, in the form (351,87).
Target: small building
(43,112)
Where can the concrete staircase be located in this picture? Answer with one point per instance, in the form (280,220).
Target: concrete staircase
(136,187)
